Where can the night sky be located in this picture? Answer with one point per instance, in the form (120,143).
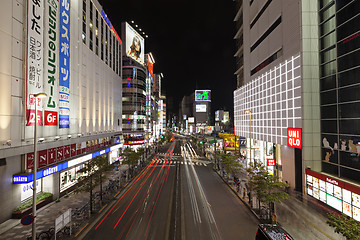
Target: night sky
(191,41)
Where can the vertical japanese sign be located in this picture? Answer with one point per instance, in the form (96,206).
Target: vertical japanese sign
(51,62)
(34,55)
(64,63)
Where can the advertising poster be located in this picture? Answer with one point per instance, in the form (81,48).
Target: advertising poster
(134,44)
(322,185)
(337,192)
(329,188)
(64,62)
(51,59)
(356,213)
(346,196)
(356,200)
(200,108)
(347,209)
(34,65)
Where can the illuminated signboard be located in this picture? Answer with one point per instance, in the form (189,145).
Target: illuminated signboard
(294,137)
(271,162)
(217,116)
(203,95)
(342,196)
(106,18)
(137,142)
(26,178)
(191,119)
(134,44)
(200,108)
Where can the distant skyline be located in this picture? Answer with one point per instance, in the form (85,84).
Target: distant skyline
(192,43)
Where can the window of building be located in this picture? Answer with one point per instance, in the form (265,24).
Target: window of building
(348,28)
(97,33)
(327,26)
(260,13)
(110,51)
(328,40)
(102,40)
(106,44)
(113,50)
(328,69)
(349,61)
(266,34)
(349,77)
(91,26)
(327,12)
(328,54)
(83,36)
(328,83)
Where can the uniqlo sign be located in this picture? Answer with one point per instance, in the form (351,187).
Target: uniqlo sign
(271,162)
(294,137)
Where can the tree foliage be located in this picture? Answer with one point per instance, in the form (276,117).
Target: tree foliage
(130,157)
(347,226)
(92,175)
(230,163)
(268,188)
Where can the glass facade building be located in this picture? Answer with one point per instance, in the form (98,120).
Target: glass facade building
(339,87)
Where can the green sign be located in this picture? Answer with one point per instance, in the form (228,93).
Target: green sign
(203,95)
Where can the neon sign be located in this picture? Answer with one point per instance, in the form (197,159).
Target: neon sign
(203,95)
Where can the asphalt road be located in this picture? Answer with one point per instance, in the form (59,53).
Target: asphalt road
(178,196)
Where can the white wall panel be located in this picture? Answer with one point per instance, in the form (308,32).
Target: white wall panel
(274,98)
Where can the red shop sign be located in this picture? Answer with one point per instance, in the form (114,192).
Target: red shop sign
(294,137)
(271,162)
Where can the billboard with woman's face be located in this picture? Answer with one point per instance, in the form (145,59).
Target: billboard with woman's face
(134,44)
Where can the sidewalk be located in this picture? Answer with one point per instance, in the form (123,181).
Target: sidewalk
(13,229)
(301,216)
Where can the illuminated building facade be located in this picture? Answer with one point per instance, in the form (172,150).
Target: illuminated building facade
(72,53)
(299,92)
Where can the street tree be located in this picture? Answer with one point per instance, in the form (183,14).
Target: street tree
(231,165)
(347,226)
(268,188)
(130,157)
(91,175)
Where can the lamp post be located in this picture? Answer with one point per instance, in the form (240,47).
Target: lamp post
(249,112)
(36,96)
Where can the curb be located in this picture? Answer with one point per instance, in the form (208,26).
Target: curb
(235,192)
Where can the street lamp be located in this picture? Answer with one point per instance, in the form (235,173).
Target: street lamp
(36,96)
(249,112)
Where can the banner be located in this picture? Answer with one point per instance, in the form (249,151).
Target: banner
(51,58)
(34,56)
(64,61)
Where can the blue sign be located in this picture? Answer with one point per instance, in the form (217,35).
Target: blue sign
(95,154)
(64,62)
(20,179)
(106,18)
(26,178)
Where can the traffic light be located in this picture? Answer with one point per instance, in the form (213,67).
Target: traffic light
(162,136)
(201,142)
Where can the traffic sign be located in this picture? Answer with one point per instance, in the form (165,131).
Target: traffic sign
(27,220)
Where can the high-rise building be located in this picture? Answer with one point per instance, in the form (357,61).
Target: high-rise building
(298,98)
(134,86)
(72,53)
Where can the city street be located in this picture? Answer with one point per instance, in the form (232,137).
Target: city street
(178,196)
